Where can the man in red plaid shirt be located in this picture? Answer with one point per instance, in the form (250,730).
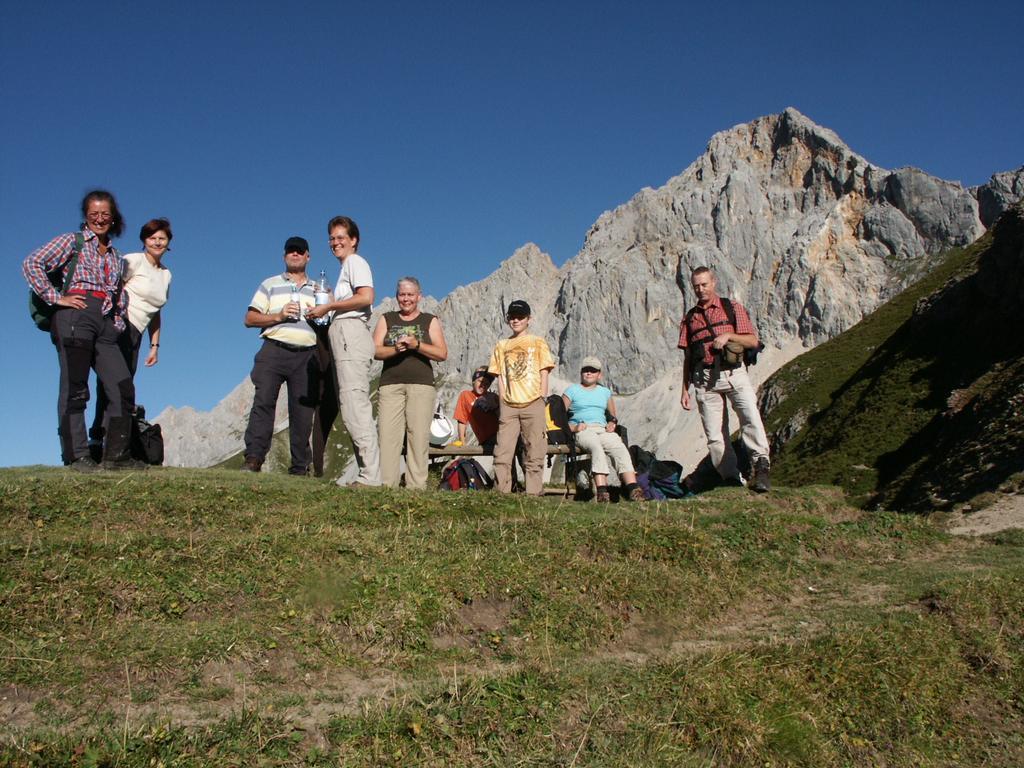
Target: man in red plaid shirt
(712,345)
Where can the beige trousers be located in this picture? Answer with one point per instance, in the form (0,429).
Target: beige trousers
(530,421)
(404,412)
(602,445)
(352,348)
(712,389)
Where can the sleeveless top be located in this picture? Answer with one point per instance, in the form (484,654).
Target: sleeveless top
(408,367)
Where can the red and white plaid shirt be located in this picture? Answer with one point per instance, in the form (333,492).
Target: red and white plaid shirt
(696,331)
(94,272)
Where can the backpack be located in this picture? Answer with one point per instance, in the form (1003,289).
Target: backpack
(465,475)
(667,478)
(557,419)
(147,440)
(749,355)
(40,311)
(660,479)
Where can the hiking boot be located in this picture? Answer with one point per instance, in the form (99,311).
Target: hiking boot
(252,464)
(117,454)
(85,465)
(124,464)
(761,483)
(637,494)
(603,497)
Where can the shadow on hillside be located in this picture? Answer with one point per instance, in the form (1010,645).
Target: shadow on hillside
(975,439)
(912,427)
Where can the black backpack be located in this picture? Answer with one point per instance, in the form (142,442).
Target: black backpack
(465,475)
(41,312)
(147,441)
(557,418)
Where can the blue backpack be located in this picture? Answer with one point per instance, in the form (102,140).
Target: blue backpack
(659,479)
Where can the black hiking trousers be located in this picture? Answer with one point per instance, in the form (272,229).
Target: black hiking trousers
(84,339)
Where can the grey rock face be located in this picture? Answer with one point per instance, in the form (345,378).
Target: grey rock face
(202,438)
(803,231)
(473,315)
(1001,192)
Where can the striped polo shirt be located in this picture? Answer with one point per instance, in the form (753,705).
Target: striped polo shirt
(272,296)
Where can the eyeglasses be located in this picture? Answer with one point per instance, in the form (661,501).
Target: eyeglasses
(100,217)
(590,370)
(518,318)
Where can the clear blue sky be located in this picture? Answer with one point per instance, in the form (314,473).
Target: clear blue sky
(452,132)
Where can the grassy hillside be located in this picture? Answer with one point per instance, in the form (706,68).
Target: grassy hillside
(196,618)
(918,406)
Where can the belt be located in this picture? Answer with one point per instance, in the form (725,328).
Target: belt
(83,292)
(289,347)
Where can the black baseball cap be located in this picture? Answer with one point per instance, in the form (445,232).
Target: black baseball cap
(297,244)
(518,308)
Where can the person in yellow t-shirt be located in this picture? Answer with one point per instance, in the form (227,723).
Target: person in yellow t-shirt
(521,364)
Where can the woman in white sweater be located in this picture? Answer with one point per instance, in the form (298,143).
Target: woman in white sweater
(147,282)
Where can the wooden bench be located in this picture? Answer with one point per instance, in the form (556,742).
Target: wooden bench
(454,451)
(476,450)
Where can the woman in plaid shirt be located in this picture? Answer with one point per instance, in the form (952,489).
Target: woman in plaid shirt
(90,315)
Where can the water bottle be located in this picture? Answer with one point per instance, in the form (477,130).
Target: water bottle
(323,296)
(297,298)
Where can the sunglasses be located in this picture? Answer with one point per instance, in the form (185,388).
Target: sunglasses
(590,370)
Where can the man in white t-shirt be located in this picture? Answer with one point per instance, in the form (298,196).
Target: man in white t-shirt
(352,346)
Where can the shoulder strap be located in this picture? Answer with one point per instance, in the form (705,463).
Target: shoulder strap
(729,311)
(69,275)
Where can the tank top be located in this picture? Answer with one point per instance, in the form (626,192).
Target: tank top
(410,367)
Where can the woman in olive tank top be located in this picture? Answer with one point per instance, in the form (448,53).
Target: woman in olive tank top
(407,341)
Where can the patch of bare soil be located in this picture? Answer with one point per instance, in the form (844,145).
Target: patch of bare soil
(759,619)
(1007,512)
(474,622)
(306,700)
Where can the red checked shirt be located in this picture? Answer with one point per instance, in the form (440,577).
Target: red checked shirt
(94,272)
(696,331)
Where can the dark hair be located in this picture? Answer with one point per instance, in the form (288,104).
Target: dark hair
(116,219)
(348,224)
(153,226)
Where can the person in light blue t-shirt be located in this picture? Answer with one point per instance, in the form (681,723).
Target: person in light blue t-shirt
(590,405)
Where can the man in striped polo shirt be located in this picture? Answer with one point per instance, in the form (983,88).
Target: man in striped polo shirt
(286,357)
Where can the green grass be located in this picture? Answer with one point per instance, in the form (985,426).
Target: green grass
(217,618)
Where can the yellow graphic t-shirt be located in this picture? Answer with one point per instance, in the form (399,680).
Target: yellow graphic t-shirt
(520,361)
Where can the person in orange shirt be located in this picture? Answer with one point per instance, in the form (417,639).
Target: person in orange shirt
(478,407)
